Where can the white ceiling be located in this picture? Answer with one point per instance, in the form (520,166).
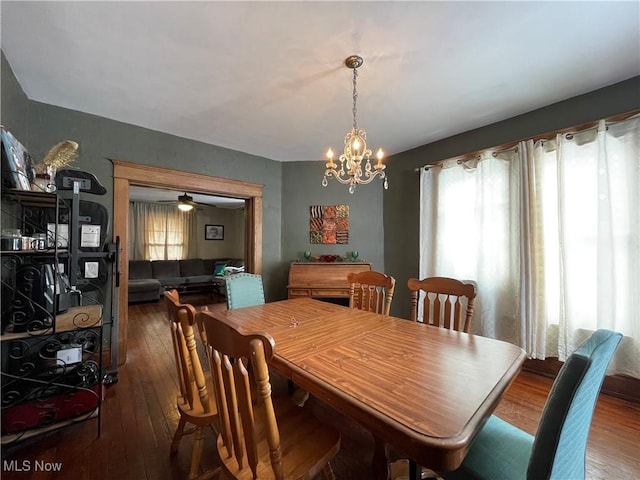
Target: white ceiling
(268,78)
(153,195)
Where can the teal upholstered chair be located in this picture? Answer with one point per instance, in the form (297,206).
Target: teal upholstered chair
(244,290)
(502,451)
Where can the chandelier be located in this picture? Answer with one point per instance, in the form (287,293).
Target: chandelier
(351,171)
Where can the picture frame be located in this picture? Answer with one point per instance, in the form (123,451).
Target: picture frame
(214,232)
(16,163)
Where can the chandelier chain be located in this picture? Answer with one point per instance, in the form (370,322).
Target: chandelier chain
(355,98)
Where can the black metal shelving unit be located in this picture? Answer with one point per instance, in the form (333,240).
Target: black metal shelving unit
(53,315)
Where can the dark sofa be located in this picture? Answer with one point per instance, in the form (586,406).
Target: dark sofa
(148,279)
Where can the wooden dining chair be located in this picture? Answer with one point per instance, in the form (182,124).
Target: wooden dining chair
(195,406)
(261,435)
(447,302)
(371,291)
(244,290)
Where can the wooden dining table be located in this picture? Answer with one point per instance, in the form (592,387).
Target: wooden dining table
(424,390)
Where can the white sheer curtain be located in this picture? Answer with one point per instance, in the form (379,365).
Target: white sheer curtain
(160,232)
(587,199)
(556,254)
(469,228)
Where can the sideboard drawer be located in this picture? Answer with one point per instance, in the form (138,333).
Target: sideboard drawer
(322,279)
(299,292)
(330,292)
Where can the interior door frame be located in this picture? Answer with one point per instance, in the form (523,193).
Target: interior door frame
(126,174)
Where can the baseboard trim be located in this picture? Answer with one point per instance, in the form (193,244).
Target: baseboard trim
(626,388)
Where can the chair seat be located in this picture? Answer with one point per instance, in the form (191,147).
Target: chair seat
(499,452)
(196,414)
(307,444)
(502,451)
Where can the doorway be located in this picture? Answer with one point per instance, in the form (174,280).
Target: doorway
(126,174)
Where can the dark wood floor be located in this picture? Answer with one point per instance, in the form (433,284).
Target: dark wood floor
(139,417)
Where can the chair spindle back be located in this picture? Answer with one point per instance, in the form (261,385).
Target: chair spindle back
(444,302)
(230,353)
(189,369)
(371,291)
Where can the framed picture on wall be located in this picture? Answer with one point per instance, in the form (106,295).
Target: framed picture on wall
(214,232)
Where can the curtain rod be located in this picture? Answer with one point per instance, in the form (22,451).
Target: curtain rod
(460,159)
(544,136)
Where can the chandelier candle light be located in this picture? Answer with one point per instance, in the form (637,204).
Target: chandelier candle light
(355,149)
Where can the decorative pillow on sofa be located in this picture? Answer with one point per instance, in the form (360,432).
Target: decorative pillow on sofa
(218,269)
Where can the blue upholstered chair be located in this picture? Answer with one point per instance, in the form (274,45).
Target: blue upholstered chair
(502,451)
(244,290)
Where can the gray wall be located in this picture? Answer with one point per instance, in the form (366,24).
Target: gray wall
(232,219)
(14,105)
(302,187)
(40,126)
(401,201)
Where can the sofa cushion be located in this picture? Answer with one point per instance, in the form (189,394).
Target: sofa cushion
(165,269)
(144,290)
(144,285)
(140,269)
(192,267)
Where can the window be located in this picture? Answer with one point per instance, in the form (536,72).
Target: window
(162,231)
(165,236)
(550,231)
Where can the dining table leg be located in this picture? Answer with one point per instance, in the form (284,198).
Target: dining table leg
(415,471)
(381,469)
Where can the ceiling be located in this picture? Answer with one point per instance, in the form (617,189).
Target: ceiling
(155,195)
(268,78)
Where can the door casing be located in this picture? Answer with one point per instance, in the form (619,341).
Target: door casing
(126,174)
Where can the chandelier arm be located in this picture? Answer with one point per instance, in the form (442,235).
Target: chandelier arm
(363,179)
(368,178)
(334,173)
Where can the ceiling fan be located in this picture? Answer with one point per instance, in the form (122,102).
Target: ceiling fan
(186,203)
(174,197)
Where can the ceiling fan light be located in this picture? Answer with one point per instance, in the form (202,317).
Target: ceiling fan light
(185,202)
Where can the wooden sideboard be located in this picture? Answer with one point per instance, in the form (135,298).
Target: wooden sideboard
(322,279)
